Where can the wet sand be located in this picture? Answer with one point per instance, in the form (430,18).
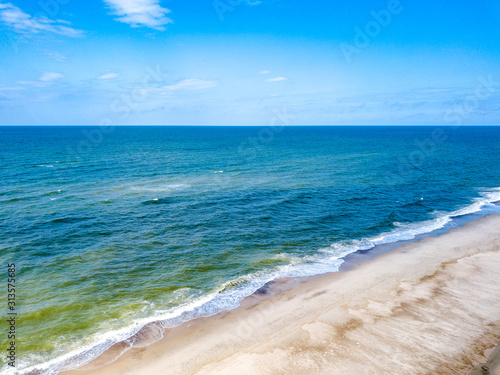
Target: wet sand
(491,366)
(430,307)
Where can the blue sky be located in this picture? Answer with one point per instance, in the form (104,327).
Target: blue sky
(227,62)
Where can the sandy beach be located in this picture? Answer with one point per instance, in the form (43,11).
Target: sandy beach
(430,307)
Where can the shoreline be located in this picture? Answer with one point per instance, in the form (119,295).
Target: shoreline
(176,337)
(491,366)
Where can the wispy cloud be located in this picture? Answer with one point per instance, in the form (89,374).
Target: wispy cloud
(277,79)
(46,79)
(265,72)
(50,76)
(23,23)
(108,76)
(10,92)
(190,84)
(139,13)
(56,56)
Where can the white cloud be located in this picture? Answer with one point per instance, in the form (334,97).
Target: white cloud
(108,76)
(46,79)
(277,79)
(50,76)
(265,72)
(138,13)
(56,56)
(9,88)
(21,22)
(190,84)
(10,92)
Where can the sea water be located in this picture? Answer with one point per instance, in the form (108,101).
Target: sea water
(112,228)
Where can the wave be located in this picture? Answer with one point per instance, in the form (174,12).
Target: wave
(52,192)
(67,220)
(161,188)
(409,231)
(17,199)
(418,202)
(159,201)
(229,295)
(44,165)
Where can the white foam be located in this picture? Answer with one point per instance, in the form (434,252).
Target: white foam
(161,188)
(230,294)
(491,195)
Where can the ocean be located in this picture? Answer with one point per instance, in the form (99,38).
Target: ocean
(112,228)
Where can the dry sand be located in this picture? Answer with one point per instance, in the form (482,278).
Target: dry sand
(430,307)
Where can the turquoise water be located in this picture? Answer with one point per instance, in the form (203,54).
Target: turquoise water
(112,229)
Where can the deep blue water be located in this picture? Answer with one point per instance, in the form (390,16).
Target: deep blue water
(112,229)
